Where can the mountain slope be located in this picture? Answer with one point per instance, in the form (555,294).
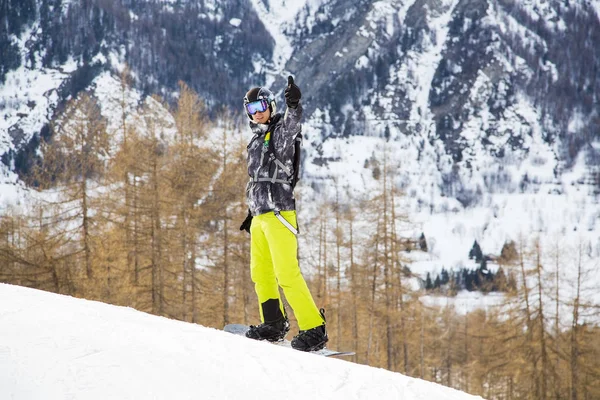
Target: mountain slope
(472,83)
(57,347)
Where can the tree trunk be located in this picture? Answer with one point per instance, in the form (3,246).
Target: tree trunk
(373,292)
(574,356)
(542,327)
(225,272)
(85,216)
(529,321)
(157,270)
(354,294)
(338,245)
(386,273)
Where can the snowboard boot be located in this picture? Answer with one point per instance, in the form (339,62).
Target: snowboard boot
(311,339)
(271,331)
(276,324)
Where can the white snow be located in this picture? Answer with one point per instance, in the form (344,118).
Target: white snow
(465,302)
(28,94)
(596,6)
(280,18)
(56,347)
(12,191)
(275,17)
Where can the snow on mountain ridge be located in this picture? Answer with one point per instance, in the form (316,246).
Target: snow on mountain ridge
(278,17)
(30,96)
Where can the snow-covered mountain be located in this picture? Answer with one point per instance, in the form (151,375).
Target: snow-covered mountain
(486,111)
(56,347)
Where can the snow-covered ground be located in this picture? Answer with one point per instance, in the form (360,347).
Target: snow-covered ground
(55,347)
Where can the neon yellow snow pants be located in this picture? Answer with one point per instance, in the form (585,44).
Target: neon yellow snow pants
(274,262)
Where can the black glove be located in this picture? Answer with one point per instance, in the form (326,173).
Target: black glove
(292,93)
(247,222)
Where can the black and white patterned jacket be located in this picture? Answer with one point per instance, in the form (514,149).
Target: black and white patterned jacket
(271,167)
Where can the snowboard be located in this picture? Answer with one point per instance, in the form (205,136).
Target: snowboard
(240,330)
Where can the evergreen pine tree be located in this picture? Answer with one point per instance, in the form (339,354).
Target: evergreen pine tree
(445,277)
(423,243)
(475,252)
(428,283)
(437,283)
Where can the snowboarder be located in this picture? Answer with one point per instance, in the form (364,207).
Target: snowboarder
(271,220)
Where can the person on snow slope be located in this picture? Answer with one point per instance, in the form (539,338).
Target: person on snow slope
(271,222)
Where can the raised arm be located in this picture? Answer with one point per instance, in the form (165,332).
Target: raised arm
(293,114)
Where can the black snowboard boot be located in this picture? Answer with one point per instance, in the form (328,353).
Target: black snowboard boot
(271,331)
(276,324)
(311,339)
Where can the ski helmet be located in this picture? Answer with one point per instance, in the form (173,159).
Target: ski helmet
(258,94)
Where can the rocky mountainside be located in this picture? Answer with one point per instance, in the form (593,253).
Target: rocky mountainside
(435,69)
(472,99)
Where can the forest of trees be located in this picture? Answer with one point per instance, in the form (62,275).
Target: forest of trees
(146,215)
(481,279)
(164,42)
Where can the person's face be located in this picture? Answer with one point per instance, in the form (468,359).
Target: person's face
(262,117)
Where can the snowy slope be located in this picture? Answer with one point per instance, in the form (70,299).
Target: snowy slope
(57,347)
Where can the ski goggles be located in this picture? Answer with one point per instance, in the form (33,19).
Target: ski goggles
(257,106)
